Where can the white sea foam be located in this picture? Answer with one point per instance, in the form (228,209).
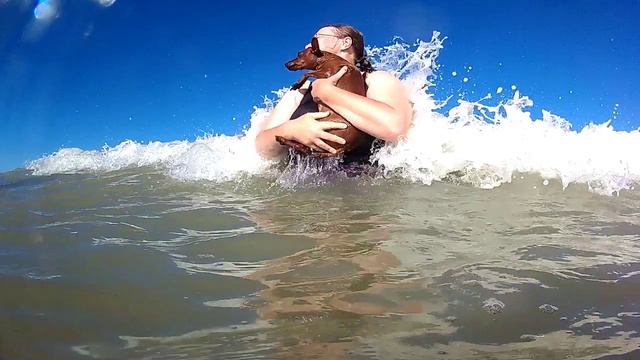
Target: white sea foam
(482,143)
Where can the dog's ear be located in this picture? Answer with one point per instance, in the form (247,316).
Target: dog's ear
(315,46)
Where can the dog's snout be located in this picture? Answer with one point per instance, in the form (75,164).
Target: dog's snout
(291,65)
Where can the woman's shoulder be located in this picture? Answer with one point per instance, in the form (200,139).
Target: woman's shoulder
(381,78)
(382,82)
(381,74)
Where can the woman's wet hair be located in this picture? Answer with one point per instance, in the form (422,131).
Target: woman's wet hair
(357,42)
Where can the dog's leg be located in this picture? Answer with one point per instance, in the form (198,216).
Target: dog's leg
(298,84)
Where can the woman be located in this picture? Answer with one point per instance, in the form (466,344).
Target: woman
(385,113)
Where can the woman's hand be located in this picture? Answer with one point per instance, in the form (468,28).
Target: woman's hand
(308,131)
(320,86)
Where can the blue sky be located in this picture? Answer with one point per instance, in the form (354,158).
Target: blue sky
(173,70)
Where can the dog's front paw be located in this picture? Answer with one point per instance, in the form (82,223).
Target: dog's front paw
(296,146)
(326,154)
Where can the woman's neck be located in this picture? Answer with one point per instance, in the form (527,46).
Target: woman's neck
(347,56)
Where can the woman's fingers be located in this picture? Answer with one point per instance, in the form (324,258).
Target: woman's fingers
(330,125)
(315,131)
(334,138)
(335,77)
(324,146)
(319,115)
(313,147)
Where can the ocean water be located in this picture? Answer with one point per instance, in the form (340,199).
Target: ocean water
(485,234)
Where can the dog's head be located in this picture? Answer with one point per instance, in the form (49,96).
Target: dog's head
(307,58)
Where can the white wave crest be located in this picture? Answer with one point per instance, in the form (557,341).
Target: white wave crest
(211,157)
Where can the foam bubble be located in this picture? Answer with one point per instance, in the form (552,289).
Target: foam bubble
(493,306)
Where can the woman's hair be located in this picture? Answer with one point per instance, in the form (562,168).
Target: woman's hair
(357,42)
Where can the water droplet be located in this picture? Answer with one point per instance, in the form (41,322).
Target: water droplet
(45,10)
(106,3)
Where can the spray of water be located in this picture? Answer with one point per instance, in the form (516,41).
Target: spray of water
(477,142)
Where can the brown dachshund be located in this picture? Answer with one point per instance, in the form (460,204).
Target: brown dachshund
(325,64)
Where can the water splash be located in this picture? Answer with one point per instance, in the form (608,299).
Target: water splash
(476,141)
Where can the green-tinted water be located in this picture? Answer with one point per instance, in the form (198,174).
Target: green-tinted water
(132,264)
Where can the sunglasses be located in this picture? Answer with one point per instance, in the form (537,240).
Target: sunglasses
(328,35)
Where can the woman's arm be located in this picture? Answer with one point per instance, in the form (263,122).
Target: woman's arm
(304,129)
(384,113)
(266,144)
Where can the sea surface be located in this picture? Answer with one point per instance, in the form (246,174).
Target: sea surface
(135,264)
(485,233)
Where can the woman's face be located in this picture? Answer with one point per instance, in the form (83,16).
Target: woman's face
(329,41)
